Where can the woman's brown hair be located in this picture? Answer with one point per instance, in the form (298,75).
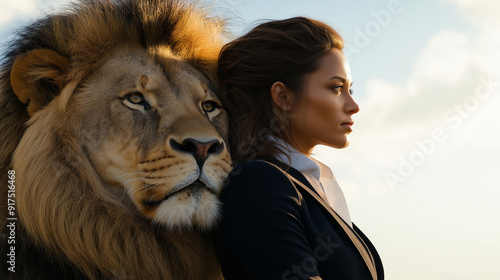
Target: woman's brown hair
(283,50)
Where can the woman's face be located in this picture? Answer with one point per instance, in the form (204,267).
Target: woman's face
(323,115)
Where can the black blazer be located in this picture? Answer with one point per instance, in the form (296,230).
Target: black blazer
(273,229)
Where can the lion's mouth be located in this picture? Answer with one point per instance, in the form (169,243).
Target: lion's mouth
(191,189)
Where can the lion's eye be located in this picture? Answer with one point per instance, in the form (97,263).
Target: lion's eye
(209,106)
(135,97)
(138,99)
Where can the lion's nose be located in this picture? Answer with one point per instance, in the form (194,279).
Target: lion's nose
(200,150)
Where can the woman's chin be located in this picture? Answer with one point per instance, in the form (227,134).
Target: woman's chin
(337,143)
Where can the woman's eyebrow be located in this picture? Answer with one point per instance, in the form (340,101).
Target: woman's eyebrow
(342,79)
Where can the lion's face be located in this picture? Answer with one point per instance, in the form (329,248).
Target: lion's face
(111,124)
(154,128)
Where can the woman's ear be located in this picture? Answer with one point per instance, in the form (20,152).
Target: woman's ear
(38,76)
(282,96)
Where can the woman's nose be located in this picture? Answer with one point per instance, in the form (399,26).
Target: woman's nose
(352,107)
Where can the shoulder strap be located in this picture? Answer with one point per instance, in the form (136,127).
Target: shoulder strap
(353,235)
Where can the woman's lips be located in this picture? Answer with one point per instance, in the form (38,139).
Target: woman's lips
(347,125)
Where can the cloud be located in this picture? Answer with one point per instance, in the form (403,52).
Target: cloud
(12,10)
(17,13)
(479,11)
(21,11)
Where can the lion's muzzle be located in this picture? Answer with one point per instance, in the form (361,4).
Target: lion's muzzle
(201,150)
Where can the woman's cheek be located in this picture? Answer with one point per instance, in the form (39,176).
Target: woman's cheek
(325,111)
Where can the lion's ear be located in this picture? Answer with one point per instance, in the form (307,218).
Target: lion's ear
(38,76)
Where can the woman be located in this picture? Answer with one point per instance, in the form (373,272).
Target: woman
(286,86)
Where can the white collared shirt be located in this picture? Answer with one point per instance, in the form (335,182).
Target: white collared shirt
(320,177)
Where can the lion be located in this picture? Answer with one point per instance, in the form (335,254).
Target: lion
(113,143)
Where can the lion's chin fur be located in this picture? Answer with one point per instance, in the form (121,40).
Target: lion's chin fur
(201,210)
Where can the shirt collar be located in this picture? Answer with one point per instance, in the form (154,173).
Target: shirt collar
(298,160)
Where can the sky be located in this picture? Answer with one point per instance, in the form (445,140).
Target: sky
(421,172)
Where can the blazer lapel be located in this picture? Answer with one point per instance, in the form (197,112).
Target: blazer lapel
(299,176)
(300,181)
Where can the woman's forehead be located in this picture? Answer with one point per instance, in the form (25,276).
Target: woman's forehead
(334,65)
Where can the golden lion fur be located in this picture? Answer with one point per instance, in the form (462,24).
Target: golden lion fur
(70,224)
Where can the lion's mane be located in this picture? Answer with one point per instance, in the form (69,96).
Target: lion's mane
(79,230)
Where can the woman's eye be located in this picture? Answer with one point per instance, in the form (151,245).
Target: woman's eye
(138,99)
(337,89)
(209,106)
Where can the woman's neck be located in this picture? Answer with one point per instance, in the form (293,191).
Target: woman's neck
(302,147)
